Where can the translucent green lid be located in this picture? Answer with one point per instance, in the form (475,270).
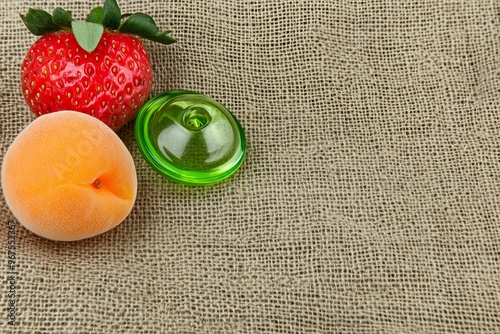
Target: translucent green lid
(189,138)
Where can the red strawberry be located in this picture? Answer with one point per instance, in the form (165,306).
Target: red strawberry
(94,66)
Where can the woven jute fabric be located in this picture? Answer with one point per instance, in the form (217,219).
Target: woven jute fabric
(368,201)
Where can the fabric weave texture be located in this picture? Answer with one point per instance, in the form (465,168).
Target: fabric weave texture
(368,201)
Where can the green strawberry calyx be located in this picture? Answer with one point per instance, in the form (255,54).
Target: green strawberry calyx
(88,33)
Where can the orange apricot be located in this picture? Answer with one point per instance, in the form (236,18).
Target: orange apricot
(67,176)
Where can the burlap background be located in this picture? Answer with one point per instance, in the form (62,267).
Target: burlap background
(368,202)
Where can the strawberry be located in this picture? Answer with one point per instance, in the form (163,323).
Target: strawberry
(94,66)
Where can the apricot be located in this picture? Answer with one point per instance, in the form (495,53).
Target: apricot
(67,176)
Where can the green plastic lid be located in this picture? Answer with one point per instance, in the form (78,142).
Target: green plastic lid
(189,138)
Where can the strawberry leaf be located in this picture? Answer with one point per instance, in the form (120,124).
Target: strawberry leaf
(139,23)
(62,17)
(87,34)
(143,25)
(39,22)
(96,15)
(112,14)
(161,37)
